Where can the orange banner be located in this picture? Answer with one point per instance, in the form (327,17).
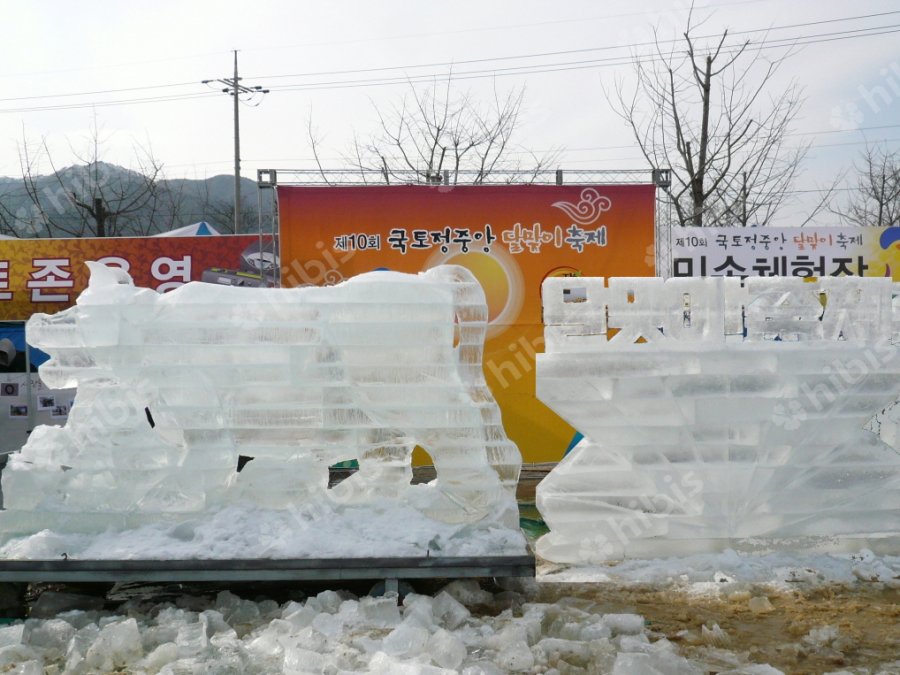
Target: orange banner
(46,275)
(511,237)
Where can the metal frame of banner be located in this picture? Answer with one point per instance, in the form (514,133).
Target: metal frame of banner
(269,179)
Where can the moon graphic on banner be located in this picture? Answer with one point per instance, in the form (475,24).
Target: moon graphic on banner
(499,276)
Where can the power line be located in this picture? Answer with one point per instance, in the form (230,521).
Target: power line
(104,104)
(572,51)
(580,20)
(523,69)
(566,65)
(385,38)
(100,91)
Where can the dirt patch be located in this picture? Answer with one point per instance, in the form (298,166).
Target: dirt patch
(813,629)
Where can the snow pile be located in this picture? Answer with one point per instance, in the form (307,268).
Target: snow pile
(778,568)
(461,629)
(248,531)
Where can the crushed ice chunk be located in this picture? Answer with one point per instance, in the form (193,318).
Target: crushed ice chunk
(624,624)
(516,657)
(653,664)
(11,635)
(380,612)
(191,640)
(445,649)
(51,636)
(407,639)
(450,611)
(760,604)
(468,592)
(117,645)
(164,654)
(511,633)
(822,636)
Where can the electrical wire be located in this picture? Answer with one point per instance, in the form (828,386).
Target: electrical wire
(474,74)
(569,51)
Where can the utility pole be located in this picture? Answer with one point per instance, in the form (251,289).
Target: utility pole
(234,88)
(237,148)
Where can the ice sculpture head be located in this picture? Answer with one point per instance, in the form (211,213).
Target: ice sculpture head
(297,379)
(67,335)
(105,275)
(112,285)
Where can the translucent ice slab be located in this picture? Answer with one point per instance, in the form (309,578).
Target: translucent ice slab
(173,389)
(716,412)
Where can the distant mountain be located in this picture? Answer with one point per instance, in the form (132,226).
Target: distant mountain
(64,204)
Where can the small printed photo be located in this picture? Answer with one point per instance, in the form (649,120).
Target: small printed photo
(9,389)
(18,411)
(59,411)
(46,402)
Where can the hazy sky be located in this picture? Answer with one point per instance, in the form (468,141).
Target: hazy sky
(137,69)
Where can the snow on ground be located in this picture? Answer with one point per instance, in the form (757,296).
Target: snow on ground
(777,568)
(520,627)
(248,531)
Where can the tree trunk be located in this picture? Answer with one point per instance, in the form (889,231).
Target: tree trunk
(100,214)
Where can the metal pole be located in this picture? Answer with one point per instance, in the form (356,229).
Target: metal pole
(28,390)
(259,226)
(237,149)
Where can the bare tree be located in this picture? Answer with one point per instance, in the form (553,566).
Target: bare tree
(91,197)
(876,199)
(435,132)
(704,109)
(7,220)
(220,211)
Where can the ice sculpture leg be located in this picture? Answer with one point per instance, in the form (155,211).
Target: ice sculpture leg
(716,413)
(295,379)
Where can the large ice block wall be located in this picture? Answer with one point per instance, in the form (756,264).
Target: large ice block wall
(716,412)
(297,379)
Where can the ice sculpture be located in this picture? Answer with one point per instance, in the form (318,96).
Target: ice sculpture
(716,412)
(296,379)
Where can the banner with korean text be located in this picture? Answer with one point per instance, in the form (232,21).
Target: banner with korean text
(786,251)
(46,275)
(510,236)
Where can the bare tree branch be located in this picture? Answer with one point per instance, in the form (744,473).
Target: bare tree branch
(876,199)
(435,132)
(705,111)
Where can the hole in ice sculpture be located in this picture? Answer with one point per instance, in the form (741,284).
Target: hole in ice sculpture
(630,297)
(242,462)
(456,332)
(575,294)
(341,471)
(425,464)
(150,420)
